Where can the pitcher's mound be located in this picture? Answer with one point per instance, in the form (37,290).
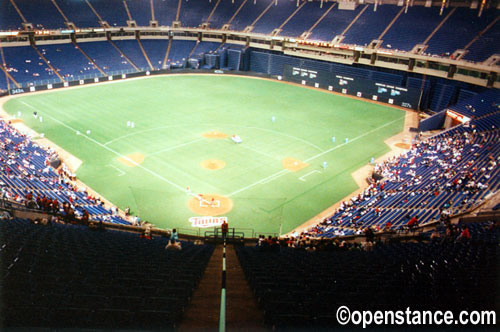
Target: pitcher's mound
(132,160)
(213,164)
(210,204)
(402,146)
(293,165)
(215,134)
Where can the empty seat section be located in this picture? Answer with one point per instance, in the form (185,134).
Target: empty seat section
(275,16)
(106,57)
(155,50)
(9,19)
(224,12)
(79,13)
(459,30)
(193,13)
(248,14)
(304,19)
(165,11)
(334,23)
(486,45)
(140,11)
(3,81)
(179,52)
(70,276)
(111,11)
(370,24)
(413,27)
(133,51)
(41,13)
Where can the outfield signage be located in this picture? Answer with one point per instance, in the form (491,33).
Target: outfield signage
(354,86)
(113,78)
(205,221)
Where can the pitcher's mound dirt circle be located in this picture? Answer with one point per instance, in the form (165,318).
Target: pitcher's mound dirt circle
(215,134)
(210,204)
(402,145)
(293,165)
(213,164)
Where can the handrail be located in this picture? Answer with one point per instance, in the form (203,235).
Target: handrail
(222,312)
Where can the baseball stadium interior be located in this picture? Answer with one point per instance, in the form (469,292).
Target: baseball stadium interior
(421,230)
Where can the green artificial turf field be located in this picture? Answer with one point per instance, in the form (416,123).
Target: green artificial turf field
(172,113)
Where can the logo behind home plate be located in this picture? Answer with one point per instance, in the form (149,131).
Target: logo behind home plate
(207,221)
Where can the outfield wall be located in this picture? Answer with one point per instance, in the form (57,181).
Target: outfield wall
(364,88)
(394,87)
(390,86)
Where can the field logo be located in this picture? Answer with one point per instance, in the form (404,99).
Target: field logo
(204,222)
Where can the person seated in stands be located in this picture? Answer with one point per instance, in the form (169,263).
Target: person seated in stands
(388,226)
(173,245)
(369,235)
(464,235)
(85,217)
(435,235)
(174,235)
(55,205)
(413,223)
(54,220)
(146,234)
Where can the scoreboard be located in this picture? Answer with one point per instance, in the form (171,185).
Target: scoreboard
(354,86)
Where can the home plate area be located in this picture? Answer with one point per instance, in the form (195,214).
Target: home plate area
(210,204)
(215,203)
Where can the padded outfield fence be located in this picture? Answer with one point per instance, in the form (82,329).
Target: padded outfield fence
(364,88)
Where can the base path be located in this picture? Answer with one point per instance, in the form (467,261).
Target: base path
(293,165)
(132,160)
(213,164)
(215,134)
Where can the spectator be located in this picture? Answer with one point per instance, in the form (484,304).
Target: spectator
(174,235)
(413,223)
(224,229)
(173,245)
(465,235)
(369,235)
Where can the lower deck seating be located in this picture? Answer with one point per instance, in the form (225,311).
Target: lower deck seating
(27,178)
(26,66)
(448,173)
(109,59)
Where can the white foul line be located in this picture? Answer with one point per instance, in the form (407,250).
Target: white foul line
(110,150)
(350,141)
(122,173)
(175,146)
(283,172)
(303,177)
(257,151)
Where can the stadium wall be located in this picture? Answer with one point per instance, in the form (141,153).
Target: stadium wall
(389,86)
(433,123)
